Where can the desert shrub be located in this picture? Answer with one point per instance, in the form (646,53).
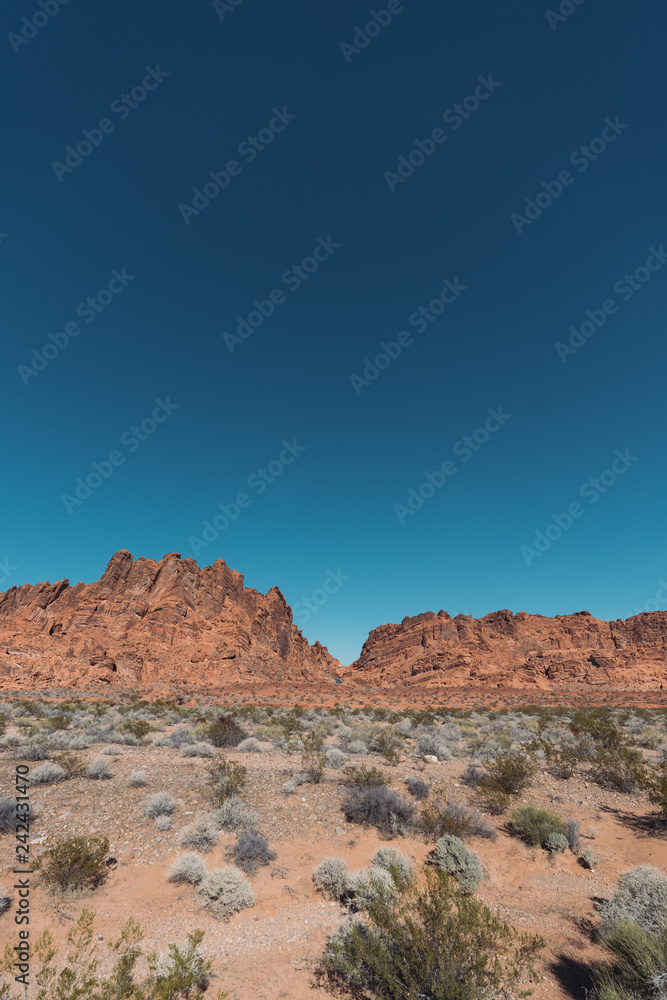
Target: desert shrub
(137,727)
(250,851)
(380,807)
(433,746)
(225,732)
(74,863)
(572,832)
(233,814)
(138,779)
(451,856)
(364,777)
(588,860)
(368,885)
(508,774)
(389,743)
(181,737)
(182,972)
(159,804)
(31,752)
(163,823)
(225,778)
(201,835)
(47,773)
(432,942)
(619,767)
(641,896)
(226,891)
(438,817)
(5,902)
(335,757)
(187,868)
(9,816)
(419,789)
(300,778)
(250,745)
(534,825)
(313,756)
(396,863)
(472,776)
(73,765)
(555,843)
(198,750)
(332,878)
(99,770)
(357,746)
(639,971)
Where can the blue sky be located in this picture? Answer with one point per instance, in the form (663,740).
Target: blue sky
(497,167)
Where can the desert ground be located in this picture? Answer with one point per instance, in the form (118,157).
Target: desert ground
(272,948)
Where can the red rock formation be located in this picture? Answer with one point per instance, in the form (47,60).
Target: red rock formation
(517,651)
(166,624)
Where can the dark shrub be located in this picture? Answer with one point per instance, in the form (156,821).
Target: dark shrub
(508,774)
(137,727)
(432,942)
(380,807)
(74,863)
(439,817)
(619,768)
(225,778)
(250,851)
(388,743)
(72,764)
(573,835)
(640,968)
(417,788)
(364,777)
(472,776)
(534,825)
(9,816)
(313,756)
(225,732)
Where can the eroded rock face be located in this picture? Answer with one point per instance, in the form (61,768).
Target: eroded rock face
(522,651)
(145,624)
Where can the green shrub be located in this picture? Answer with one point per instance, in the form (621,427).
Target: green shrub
(507,774)
(438,817)
(431,942)
(534,825)
(656,788)
(74,863)
(313,756)
(225,778)
(182,972)
(137,727)
(619,768)
(639,971)
(364,777)
(72,764)
(451,856)
(388,743)
(225,732)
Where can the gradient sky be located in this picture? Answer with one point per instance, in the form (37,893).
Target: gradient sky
(339,507)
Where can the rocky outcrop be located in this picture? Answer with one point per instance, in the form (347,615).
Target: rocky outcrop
(159,625)
(517,651)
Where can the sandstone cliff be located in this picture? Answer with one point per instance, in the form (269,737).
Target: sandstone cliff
(517,651)
(154,624)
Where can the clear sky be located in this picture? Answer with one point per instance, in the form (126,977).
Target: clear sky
(466,184)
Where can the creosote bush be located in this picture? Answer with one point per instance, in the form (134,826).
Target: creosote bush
(226,891)
(74,863)
(159,804)
(380,807)
(507,774)
(534,825)
(187,868)
(225,778)
(438,817)
(364,777)
(225,732)
(433,942)
(451,856)
(639,970)
(313,756)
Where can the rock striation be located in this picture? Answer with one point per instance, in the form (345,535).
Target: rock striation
(517,651)
(148,624)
